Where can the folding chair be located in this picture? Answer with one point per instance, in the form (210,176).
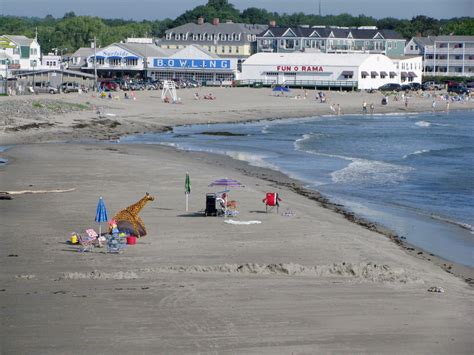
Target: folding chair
(115,244)
(86,243)
(271,200)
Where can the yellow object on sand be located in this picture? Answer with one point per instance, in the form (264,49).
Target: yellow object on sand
(73,239)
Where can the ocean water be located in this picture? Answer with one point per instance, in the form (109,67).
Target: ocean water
(412,173)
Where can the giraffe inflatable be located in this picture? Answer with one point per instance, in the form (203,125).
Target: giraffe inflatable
(128,220)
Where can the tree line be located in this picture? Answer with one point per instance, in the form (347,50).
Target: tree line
(70,32)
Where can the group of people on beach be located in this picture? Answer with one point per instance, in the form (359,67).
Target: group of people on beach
(209,96)
(364,107)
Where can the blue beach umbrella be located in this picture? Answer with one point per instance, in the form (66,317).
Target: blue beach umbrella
(281,89)
(101,214)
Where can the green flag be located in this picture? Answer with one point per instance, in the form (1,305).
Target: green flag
(187,185)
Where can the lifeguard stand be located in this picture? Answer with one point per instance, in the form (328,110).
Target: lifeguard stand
(169,86)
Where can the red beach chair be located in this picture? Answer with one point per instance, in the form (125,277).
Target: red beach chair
(271,200)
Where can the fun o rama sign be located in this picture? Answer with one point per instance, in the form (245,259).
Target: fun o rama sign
(301,68)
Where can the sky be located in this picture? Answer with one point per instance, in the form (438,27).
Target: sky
(160,9)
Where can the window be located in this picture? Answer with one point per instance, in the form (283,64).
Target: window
(223,49)
(382,75)
(168,36)
(392,75)
(373,75)
(411,47)
(230,49)
(209,48)
(237,49)
(132,62)
(364,75)
(115,61)
(271,73)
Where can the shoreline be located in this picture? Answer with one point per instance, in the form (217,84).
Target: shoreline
(280,179)
(284,181)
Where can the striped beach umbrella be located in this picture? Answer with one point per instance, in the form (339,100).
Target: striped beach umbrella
(226,183)
(101,214)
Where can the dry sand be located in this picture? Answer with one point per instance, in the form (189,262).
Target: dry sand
(309,283)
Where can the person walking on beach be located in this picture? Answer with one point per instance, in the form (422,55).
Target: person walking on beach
(364,107)
(332,108)
(338,109)
(447,106)
(433,105)
(406,102)
(372,107)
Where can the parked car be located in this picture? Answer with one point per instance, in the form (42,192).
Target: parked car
(431,85)
(415,86)
(44,88)
(405,87)
(390,87)
(459,89)
(70,87)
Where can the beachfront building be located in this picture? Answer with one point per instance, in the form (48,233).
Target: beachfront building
(193,63)
(51,61)
(409,68)
(328,70)
(119,60)
(444,55)
(19,53)
(368,39)
(78,59)
(228,39)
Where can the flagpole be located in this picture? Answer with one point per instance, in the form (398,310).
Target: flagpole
(187,201)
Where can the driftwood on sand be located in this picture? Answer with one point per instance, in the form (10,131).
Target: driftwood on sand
(23,192)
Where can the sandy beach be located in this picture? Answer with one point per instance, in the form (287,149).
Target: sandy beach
(308,282)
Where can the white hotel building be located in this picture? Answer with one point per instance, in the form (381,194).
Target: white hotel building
(362,71)
(444,55)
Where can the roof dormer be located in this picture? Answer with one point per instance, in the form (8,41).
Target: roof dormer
(289,33)
(268,34)
(315,34)
(378,36)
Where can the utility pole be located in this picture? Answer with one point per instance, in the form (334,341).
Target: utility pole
(95,63)
(320,14)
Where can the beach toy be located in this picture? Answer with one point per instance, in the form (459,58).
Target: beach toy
(131,240)
(74,239)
